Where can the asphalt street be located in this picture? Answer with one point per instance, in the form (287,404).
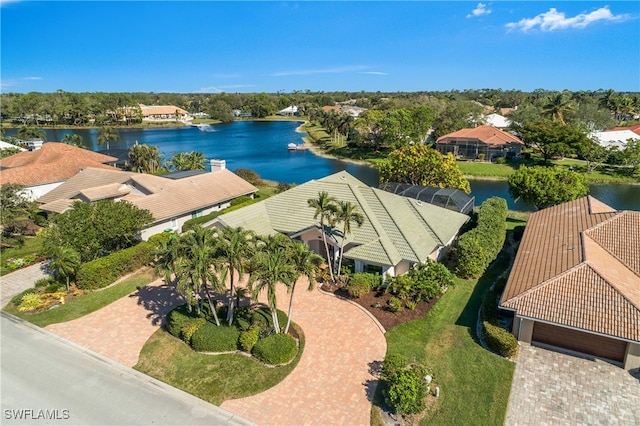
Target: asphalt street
(49,380)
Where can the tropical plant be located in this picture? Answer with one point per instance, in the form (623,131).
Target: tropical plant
(192,160)
(107,134)
(234,249)
(325,209)
(557,106)
(74,140)
(305,263)
(546,186)
(346,214)
(65,262)
(26,133)
(143,158)
(269,268)
(15,204)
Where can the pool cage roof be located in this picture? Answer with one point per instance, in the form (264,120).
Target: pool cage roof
(452,199)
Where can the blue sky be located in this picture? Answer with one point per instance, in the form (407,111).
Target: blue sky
(268,46)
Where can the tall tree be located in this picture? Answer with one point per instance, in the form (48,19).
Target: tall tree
(74,140)
(325,209)
(143,158)
(305,263)
(270,268)
(65,262)
(15,204)
(27,132)
(557,106)
(236,245)
(347,214)
(423,165)
(107,134)
(552,138)
(192,160)
(546,186)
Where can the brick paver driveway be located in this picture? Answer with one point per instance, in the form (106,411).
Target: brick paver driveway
(554,388)
(120,330)
(332,384)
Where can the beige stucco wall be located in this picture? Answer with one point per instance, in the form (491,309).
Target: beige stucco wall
(632,358)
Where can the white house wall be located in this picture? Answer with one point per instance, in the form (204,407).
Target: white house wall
(37,191)
(176,223)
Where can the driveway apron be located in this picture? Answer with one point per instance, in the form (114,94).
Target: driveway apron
(551,388)
(120,329)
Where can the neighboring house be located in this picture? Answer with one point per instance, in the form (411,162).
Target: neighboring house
(171,200)
(575,282)
(44,169)
(353,111)
(397,233)
(5,145)
(487,141)
(617,137)
(290,110)
(164,113)
(497,121)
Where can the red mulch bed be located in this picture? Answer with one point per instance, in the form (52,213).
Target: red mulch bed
(377,303)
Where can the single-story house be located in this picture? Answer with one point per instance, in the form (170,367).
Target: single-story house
(575,281)
(171,200)
(489,141)
(617,137)
(41,170)
(398,232)
(5,145)
(290,110)
(496,120)
(161,113)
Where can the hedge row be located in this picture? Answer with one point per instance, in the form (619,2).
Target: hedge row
(104,271)
(479,247)
(235,204)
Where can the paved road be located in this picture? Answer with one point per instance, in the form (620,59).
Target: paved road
(49,380)
(20,280)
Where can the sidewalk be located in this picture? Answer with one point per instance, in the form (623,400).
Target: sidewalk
(20,280)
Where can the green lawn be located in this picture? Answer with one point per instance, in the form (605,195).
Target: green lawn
(32,248)
(214,378)
(86,303)
(474,383)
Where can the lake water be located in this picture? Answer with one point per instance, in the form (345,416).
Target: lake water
(262,146)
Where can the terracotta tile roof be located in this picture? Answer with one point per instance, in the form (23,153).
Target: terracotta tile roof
(635,129)
(54,162)
(164,198)
(161,110)
(486,134)
(578,265)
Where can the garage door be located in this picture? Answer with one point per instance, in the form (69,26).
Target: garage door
(579,341)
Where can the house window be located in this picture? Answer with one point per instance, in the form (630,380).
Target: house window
(174,223)
(195,214)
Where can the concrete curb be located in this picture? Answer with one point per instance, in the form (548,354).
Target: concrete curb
(231,418)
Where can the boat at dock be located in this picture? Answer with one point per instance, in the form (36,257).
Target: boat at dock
(294,147)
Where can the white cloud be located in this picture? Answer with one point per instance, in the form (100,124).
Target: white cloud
(480,10)
(220,89)
(373,73)
(335,70)
(31,78)
(554,20)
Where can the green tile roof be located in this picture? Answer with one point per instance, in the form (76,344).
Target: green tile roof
(395,228)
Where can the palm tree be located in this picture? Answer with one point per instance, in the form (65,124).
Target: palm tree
(107,134)
(234,250)
(193,160)
(195,270)
(557,106)
(270,268)
(347,214)
(325,209)
(26,133)
(304,262)
(65,262)
(74,140)
(143,158)
(166,258)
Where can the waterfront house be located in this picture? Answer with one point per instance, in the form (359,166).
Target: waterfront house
(42,170)
(289,111)
(617,137)
(172,200)
(398,232)
(486,142)
(164,113)
(575,281)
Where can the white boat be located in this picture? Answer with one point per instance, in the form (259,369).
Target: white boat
(205,127)
(292,146)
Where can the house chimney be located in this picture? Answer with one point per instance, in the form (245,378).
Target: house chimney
(218,165)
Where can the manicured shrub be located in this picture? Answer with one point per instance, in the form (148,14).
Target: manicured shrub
(393,363)
(17,299)
(429,279)
(30,302)
(212,338)
(249,338)
(480,246)
(276,349)
(103,271)
(499,340)
(358,286)
(44,282)
(407,391)
(191,327)
(250,176)
(52,288)
(178,318)
(395,304)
